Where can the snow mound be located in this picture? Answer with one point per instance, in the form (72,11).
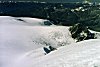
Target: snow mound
(21,21)
(82,54)
(23,39)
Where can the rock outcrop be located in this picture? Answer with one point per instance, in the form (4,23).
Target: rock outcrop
(81,32)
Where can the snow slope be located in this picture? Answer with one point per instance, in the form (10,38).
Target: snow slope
(22,38)
(82,54)
(22,42)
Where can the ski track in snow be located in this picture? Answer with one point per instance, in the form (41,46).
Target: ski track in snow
(22,42)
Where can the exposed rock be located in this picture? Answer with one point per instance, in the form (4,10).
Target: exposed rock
(81,32)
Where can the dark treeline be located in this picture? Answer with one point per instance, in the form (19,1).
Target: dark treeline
(30,8)
(66,14)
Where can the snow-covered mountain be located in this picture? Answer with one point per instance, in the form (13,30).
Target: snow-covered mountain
(22,41)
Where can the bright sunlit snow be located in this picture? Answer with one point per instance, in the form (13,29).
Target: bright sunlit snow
(22,41)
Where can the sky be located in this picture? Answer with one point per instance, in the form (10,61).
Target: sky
(54,0)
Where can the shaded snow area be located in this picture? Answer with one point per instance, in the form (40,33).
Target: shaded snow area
(97,34)
(22,41)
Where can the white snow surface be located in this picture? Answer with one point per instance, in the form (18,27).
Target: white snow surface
(22,42)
